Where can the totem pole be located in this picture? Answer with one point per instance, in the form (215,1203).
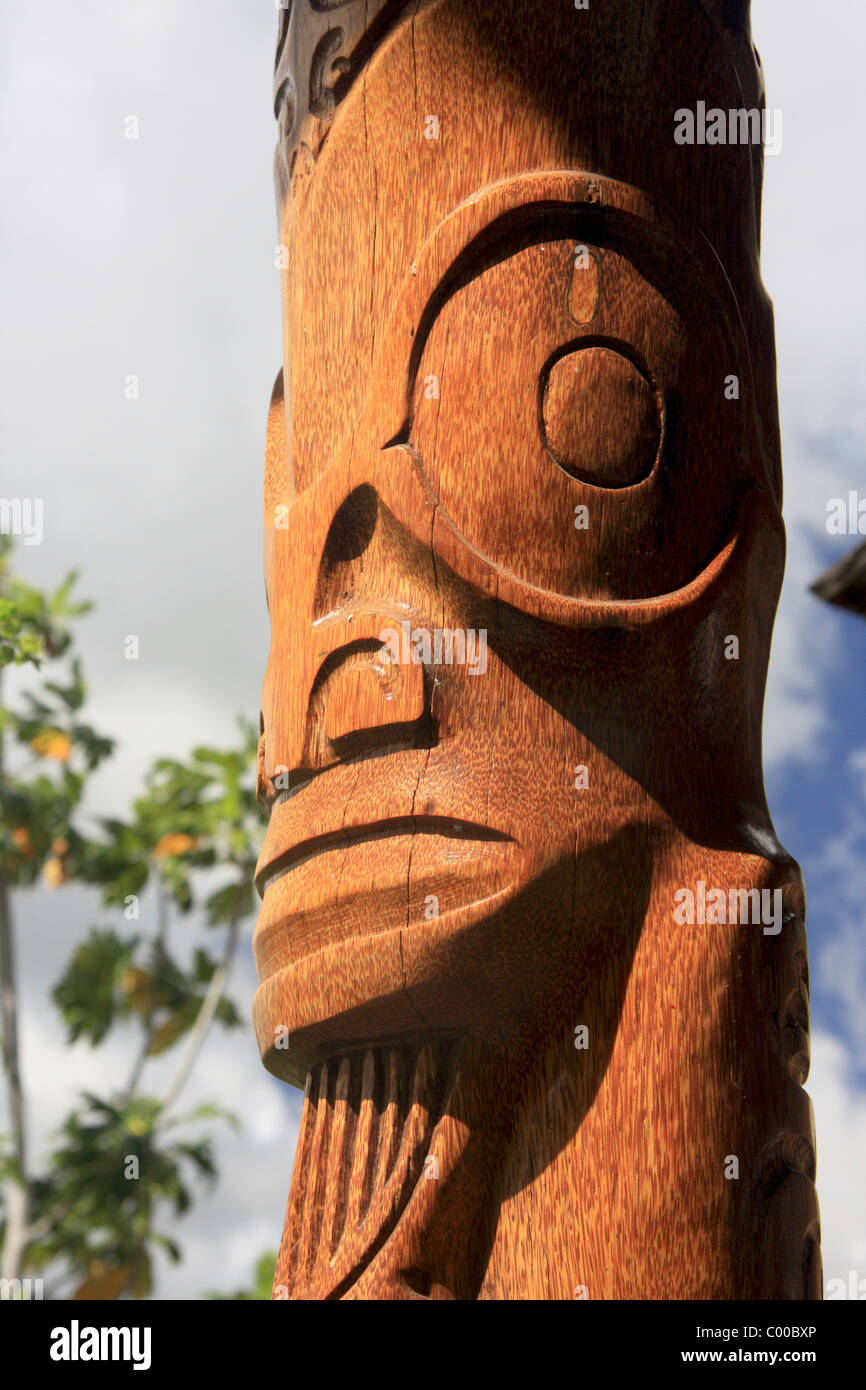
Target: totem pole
(527,937)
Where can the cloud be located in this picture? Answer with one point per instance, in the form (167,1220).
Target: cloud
(840,867)
(840,1123)
(809,264)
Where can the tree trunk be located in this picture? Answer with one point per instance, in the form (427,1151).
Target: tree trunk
(14,1189)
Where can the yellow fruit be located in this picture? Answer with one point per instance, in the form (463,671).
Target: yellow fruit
(51,743)
(53,873)
(177,843)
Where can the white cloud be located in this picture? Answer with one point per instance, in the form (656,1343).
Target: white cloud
(811,258)
(840,1123)
(841,960)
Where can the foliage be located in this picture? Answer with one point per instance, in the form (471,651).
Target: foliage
(189,845)
(263,1281)
(33,625)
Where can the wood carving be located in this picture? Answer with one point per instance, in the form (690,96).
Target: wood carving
(527,936)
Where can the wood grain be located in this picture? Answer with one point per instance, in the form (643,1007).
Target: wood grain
(523,554)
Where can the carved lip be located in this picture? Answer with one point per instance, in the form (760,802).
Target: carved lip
(304,850)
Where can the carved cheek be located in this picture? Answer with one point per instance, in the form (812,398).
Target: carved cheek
(599,418)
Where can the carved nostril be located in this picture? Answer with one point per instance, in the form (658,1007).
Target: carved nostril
(352,528)
(349,535)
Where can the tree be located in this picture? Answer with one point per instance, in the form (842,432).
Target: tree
(189,846)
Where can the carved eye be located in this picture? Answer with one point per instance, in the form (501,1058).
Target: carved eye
(565,419)
(599,417)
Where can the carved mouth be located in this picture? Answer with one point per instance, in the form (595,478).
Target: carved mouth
(305,850)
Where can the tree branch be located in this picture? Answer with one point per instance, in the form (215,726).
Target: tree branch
(149,1030)
(204,1019)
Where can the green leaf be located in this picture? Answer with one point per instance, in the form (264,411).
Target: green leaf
(231,903)
(263,1280)
(89,994)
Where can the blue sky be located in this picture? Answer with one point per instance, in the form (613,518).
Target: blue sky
(156,257)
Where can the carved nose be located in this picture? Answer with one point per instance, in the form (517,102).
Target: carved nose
(361,704)
(333,689)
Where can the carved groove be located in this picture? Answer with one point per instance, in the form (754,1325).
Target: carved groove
(322,99)
(365,1129)
(794,1014)
(332,58)
(787,1153)
(811,1266)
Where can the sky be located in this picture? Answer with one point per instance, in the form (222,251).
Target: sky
(154,258)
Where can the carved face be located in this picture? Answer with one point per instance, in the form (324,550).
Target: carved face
(470,705)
